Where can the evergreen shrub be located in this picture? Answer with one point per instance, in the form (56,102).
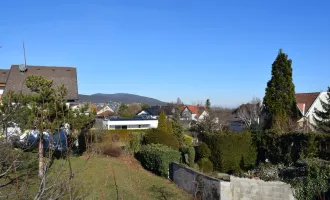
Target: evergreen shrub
(157,158)
(156,136)
(232,152)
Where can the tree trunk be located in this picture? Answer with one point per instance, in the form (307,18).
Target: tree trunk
(41,155)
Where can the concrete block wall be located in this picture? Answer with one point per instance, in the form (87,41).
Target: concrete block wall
(200,185)
(251,189)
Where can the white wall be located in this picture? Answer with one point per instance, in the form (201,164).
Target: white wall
(317,104)
(2,88)
(149,123)
(203,115)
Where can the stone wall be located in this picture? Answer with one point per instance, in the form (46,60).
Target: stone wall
(197,184)
(200,185)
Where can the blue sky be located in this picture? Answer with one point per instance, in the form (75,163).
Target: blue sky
(222,50)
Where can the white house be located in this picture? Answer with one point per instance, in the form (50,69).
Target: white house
(193,113)
(100,110)
(132,123)
(307,103)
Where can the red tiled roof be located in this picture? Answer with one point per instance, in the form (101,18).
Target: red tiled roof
(307,99)
(182,108)
(196,109)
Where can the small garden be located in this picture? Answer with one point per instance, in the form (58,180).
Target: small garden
(299,159)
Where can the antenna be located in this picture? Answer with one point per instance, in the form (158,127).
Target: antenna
(24,54)
(22,67)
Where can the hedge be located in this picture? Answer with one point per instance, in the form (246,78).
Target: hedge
(155,136)
(188,140)
(101,135)
(188,155)
(205,165)
(289,148)
(157,158)
(203,151)
(231,152)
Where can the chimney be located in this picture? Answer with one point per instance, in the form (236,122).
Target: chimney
(303,111)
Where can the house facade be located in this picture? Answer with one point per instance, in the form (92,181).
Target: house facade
(102,109)
(307,103)
(132,123)
(193,113)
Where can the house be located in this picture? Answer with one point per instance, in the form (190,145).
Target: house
(14,78)
(59,75)
(154,111)
(307,103)
(131,123)
(236,124)
(106,114)
(103,109)
(193,113)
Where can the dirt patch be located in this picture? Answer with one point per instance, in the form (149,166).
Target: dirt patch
(130,162)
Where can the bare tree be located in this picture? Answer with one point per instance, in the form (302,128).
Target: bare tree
(215,121)
(250,113)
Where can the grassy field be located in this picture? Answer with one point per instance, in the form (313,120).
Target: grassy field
(97,180)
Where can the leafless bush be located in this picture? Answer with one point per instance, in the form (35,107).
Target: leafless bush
(115,137)
(112,151)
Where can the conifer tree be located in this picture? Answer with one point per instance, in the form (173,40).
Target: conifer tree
(177,126)
(162,122)
(208,105)
(280,101)
(322,117)
(169,127)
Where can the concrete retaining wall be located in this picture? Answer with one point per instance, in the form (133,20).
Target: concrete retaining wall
(211,188)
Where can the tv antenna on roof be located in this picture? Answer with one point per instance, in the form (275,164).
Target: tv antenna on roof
(22,67)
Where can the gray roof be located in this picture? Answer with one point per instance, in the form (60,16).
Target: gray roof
(60,75)
(4,75)
(156,110)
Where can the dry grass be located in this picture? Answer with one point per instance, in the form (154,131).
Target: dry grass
(105,177)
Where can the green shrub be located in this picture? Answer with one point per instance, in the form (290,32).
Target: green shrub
(205,165)
(188,140)
(188,155)
(135,143)
(155,136)
(102,135)
(191,156)
(315,181)
(203,151)
(289,148)
(157,158)
(232,152)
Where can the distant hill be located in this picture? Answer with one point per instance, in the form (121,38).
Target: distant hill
(120,98)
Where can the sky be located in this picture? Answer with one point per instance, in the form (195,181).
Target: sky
(221,50)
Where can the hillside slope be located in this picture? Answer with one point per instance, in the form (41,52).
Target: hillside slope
(119,97)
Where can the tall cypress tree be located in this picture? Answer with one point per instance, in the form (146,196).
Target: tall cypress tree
(322,117)
(208,105)
(169,127)
(162,122)
(177,126)
(280,101)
